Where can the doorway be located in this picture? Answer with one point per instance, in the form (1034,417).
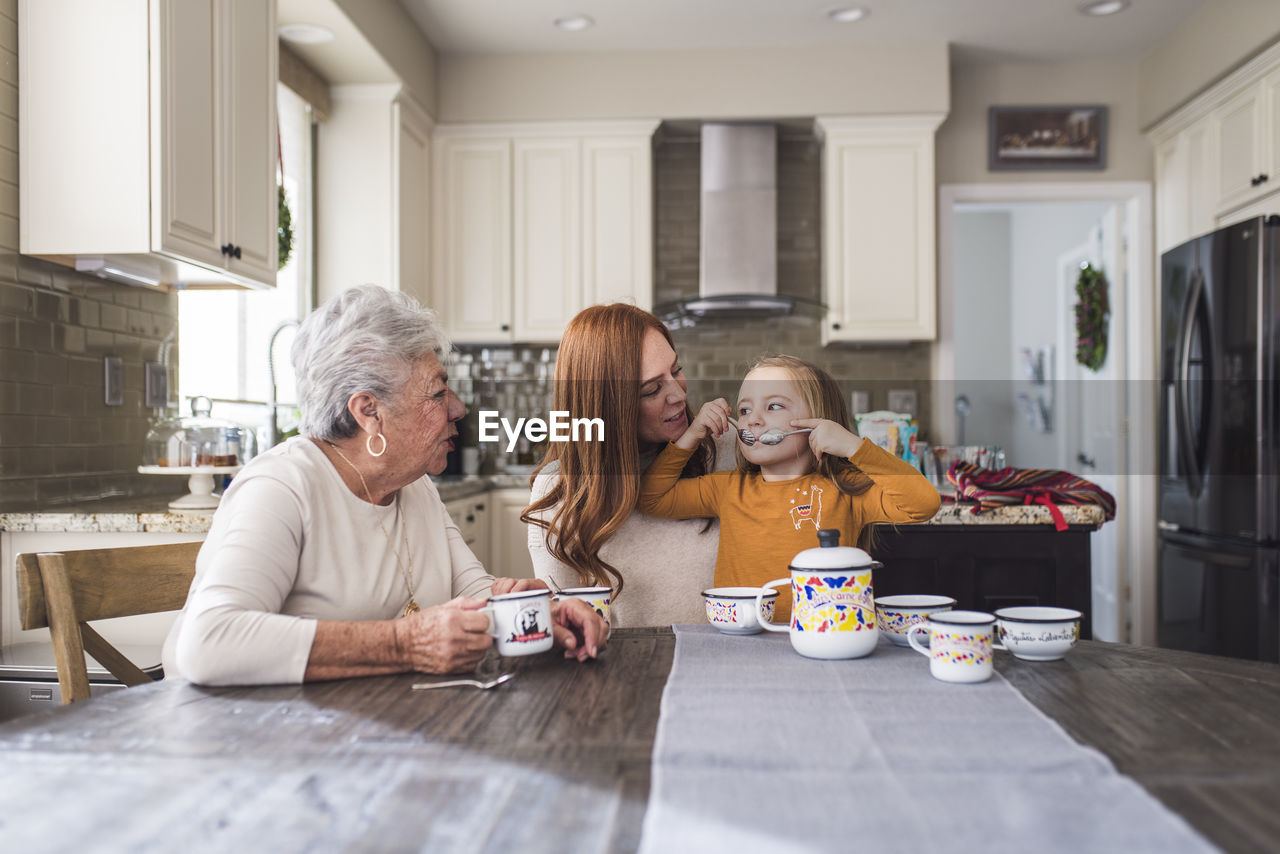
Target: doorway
(1008,255)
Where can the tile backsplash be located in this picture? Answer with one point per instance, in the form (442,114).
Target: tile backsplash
(59,441)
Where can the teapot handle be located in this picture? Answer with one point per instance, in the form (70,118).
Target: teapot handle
(760,605)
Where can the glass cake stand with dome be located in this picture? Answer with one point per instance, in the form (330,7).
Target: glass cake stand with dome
(203,448)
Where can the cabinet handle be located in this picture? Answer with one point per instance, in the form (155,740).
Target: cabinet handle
(236,252)
(479,508)
(471,518)
(1262,179)
(226,248)
(835,326)
(506,327)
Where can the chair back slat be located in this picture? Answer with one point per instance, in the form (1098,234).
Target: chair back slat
(65,590)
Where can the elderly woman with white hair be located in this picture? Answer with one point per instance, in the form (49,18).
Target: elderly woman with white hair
(331,555)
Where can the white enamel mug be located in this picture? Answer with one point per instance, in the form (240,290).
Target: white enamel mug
(520,622)
(959,647)
(599,598)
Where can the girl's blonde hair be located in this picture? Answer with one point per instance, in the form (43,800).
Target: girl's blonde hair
(823,397)
(598,376)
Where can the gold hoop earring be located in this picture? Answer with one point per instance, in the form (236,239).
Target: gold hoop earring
(368,445)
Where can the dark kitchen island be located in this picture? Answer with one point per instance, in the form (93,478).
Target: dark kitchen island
(1010,556)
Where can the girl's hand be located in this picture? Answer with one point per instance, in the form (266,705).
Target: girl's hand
(712,418)
(828,437)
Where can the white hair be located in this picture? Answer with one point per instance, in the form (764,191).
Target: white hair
(366,339)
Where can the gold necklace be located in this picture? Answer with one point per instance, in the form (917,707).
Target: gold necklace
(412,607)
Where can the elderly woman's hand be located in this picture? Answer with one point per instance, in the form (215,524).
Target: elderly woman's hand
(516,585)
(581,631)
(448,638)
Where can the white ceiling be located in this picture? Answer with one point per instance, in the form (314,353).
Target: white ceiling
(1046,30)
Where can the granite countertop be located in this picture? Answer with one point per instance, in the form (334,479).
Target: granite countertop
(151,514)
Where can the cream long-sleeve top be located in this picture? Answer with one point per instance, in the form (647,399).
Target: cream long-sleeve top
(290,545)
(666,563)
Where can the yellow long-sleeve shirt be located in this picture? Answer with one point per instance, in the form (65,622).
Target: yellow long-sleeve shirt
(764,524)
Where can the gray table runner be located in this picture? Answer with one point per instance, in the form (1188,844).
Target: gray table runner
(759,749)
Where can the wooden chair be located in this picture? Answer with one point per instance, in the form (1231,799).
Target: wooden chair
(66,590)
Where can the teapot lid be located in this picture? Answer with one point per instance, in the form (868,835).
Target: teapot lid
(830,554)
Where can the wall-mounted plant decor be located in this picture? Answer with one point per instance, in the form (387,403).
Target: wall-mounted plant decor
(1093,314)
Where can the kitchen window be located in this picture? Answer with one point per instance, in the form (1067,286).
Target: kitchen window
(224,336)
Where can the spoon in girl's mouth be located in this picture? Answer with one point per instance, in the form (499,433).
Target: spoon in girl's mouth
(774,436)
(747,437)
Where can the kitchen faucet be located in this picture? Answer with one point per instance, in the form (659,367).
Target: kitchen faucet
(273,428)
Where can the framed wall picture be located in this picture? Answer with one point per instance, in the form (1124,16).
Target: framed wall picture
(1047,138)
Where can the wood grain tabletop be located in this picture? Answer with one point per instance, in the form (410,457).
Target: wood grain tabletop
(557,759)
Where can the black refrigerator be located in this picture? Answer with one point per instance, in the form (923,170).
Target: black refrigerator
(1219,554)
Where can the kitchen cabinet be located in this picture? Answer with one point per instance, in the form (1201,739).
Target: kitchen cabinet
(375,179)
(1247,142)
(535,222)
(509,542)
(1186,192)
(471,515)
(147,630)
(989,567)
(878,228)
(1212,154)
(147,138)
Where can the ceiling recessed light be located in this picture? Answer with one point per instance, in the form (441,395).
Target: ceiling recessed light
(1103,7)
(575,22)
(305,33)
(847,14)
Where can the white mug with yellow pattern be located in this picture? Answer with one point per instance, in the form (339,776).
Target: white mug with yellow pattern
(960,644)
(833,611)
(599,598)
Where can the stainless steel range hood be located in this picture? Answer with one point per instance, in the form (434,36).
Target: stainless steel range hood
(738,234)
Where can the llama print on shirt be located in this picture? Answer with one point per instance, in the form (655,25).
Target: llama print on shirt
(810,510)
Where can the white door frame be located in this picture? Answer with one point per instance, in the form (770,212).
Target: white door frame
(1140,309)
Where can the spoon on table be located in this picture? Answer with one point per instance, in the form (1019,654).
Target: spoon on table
(471,683)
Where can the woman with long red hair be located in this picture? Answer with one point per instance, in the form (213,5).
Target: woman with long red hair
(618,363)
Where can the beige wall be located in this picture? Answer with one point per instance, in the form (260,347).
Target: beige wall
(1219,36)
(962,138)
(703,84)
(396,37)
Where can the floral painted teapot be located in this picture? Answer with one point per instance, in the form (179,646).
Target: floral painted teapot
(833,612)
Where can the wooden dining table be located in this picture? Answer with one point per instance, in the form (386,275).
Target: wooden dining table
(555,759)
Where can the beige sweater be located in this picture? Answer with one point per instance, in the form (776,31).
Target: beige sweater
(666,563)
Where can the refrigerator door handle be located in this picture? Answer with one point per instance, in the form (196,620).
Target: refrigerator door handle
(1186,441)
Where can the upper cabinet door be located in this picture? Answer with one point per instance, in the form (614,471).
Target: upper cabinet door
(248,114)
(878,237)
(547,261)
(187,177)
(617,219)
(473,232)
(1245,162)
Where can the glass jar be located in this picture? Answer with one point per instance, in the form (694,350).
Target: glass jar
(198,440)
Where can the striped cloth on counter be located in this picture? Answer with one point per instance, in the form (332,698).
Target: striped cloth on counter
(992,488)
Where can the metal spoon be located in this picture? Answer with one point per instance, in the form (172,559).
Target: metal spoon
(770,437)
(455,683)
(747,437)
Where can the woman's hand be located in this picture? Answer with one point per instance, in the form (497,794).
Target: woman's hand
(516,585)
(581,631)
(828,437)
(712,418)
(448,638)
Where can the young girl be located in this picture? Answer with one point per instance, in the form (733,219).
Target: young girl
(781,495)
